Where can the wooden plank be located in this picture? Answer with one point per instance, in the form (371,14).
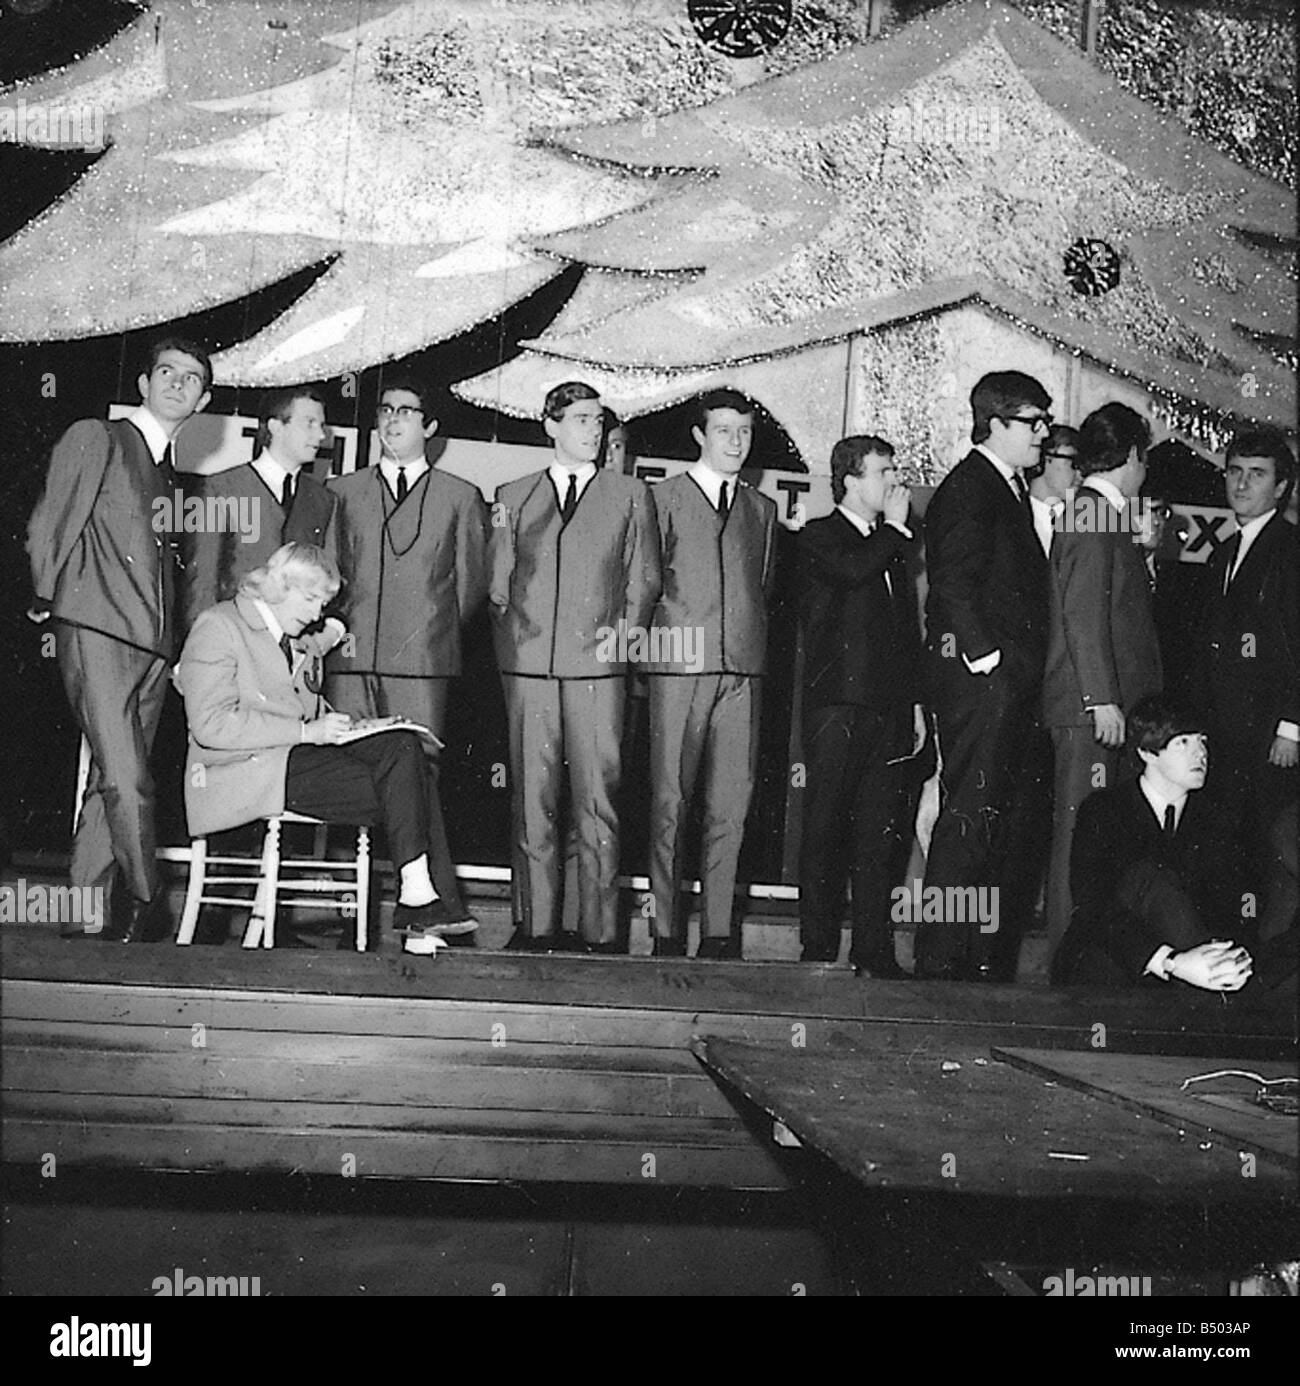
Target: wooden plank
(389,1155)
(566,1088)
(1151,1084)
(979,1127)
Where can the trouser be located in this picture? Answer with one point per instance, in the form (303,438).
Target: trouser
(420,700)
(116,691)
(700,723)
(381,780)
(558,726)
(853,823)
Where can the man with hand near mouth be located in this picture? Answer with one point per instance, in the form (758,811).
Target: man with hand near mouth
(411,545)
(107,578)
(717,536)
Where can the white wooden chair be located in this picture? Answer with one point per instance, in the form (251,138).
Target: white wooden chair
(310,881)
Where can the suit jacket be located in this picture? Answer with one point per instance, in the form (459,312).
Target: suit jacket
(716,576)
(987,572)
(101,547)
(216,561)
(1116,830)
(862,645)
(1102,645)
(558,590)
(245,712)
(1254,683)
(412,574)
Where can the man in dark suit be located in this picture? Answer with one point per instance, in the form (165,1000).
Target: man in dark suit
(986,636)
(1146,873)
(103,566)
(261,742)
(574,572)
(291,505)
(1249,657)
(1103,653)
(717,537)
(861,709)
(411,546)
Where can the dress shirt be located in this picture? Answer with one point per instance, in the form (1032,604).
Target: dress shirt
(1007,473)
(154,434)
(1045,513)
(710,482)
(274,474)
(560,478)
(414,471)
(1158,963)
(1248,533)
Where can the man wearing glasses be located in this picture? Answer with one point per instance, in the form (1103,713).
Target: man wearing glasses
(986,636)
(411,546)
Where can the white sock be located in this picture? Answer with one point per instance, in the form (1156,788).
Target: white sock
(416,886)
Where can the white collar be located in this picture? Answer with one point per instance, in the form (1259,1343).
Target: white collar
(265,612)
(1252,527)
(273,473)
(414,471)
(1007,472)
(155,435)
(1108,489)
(710,482)
(863,527)
(560,477)
(1159,802)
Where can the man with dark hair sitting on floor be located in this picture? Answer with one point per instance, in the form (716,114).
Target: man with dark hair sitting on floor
(262,742)
(1143,870)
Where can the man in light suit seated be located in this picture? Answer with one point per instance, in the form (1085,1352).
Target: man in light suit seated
(1146,870)
(263,742)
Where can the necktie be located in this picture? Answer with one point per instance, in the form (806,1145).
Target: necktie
(169,460)
(401,485)
(1234,548)
(1171,820)
(1021,489)
(286,494)
(286,649)
(570,499)
(722,500)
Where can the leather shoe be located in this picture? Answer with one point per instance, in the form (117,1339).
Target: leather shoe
(147,921)
(669,948)
(433,918)
(520,942)
(718,950)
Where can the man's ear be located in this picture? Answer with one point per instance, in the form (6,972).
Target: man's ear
(698,436)
(204,400)
(143,384)
(431,428)
(548,424)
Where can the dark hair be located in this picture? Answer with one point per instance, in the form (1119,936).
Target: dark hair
(723,398)
(412,386)
(847,455)
(1156,720)
(1002,394)
(559,399)
(1267,442)
(184,344)
(279,405)
(1107,437)
(1058,436)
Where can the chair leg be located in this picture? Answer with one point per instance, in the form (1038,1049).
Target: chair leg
(363,886)
(194,890)
(261,927)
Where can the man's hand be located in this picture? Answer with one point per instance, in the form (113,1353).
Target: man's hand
(919,727)
(328,730)
(898,502)
(320,642)
(1284,752)
(1216,966)
(1108,724)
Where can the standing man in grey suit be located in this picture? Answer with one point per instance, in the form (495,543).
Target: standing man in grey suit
(104,568)
(1103,654)
(292,506)
(717,537)
(986,633)
(411,545)
(573,562)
